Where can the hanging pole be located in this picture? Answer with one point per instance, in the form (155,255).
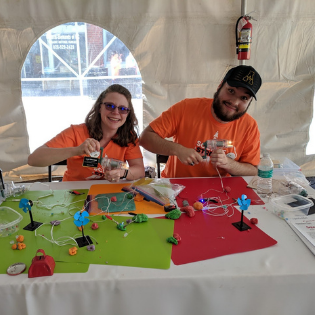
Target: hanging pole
(243,12)
(243,7)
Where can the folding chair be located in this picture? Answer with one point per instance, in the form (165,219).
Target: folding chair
(160,159)
(64,162)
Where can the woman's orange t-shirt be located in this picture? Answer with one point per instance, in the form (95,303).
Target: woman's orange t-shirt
(74,136)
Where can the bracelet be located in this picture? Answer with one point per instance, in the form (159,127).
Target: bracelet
(125,174)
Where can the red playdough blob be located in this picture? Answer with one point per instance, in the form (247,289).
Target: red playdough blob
(189,210)
(227,189)
(177,237)
(94,226)
(254,220)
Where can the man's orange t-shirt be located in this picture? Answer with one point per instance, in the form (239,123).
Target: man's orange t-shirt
(190,123)
(76,135)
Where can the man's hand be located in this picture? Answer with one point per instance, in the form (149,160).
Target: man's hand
(219,159)
(188,156)
(235,168)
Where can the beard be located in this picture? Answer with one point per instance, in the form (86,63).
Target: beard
(218,108)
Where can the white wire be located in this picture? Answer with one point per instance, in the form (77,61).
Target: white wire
(59,241)
(210,209)
(52,240)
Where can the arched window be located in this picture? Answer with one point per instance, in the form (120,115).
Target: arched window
(65,71)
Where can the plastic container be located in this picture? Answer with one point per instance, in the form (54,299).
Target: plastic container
(288,171)
(265,171)
(285,166)
(9,221)
(290,206)
(10,189)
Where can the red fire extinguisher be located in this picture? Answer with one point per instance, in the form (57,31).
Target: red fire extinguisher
(243,33)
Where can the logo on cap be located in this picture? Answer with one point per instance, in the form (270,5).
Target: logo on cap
(249,78)
(244,76)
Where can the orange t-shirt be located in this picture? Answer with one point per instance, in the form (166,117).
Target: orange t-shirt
(190,123)
(73,137)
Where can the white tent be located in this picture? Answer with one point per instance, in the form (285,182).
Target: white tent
(183,49)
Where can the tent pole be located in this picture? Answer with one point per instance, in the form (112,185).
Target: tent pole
(243,12)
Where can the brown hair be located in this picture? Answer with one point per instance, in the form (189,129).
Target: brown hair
(127,132)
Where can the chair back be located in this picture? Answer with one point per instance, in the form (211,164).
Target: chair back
(64,162)
(160,159)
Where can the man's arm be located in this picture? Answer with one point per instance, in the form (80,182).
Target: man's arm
(152,142)
(220,160)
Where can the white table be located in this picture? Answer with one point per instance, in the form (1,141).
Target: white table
(275,280)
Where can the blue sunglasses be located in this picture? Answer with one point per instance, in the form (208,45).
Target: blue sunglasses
(121,109)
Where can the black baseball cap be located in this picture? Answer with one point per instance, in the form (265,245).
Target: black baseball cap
(244,76)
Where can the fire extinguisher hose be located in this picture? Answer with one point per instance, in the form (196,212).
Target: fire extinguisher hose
(236,34)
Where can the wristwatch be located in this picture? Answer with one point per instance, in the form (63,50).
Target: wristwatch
(125,174)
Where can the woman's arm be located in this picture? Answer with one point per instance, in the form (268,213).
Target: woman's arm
(136,169)
(44,155)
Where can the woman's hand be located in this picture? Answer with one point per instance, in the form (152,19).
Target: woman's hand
(88,146)
(113,175)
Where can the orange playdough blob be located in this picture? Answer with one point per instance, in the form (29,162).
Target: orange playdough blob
(198,205)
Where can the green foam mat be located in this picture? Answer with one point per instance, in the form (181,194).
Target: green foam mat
(122,204)
(62,201)
(144,245)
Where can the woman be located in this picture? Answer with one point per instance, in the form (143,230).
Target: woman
(109,128)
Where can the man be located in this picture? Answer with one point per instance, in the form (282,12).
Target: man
(192,122)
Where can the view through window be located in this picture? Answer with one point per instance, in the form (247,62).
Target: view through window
(65,71)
